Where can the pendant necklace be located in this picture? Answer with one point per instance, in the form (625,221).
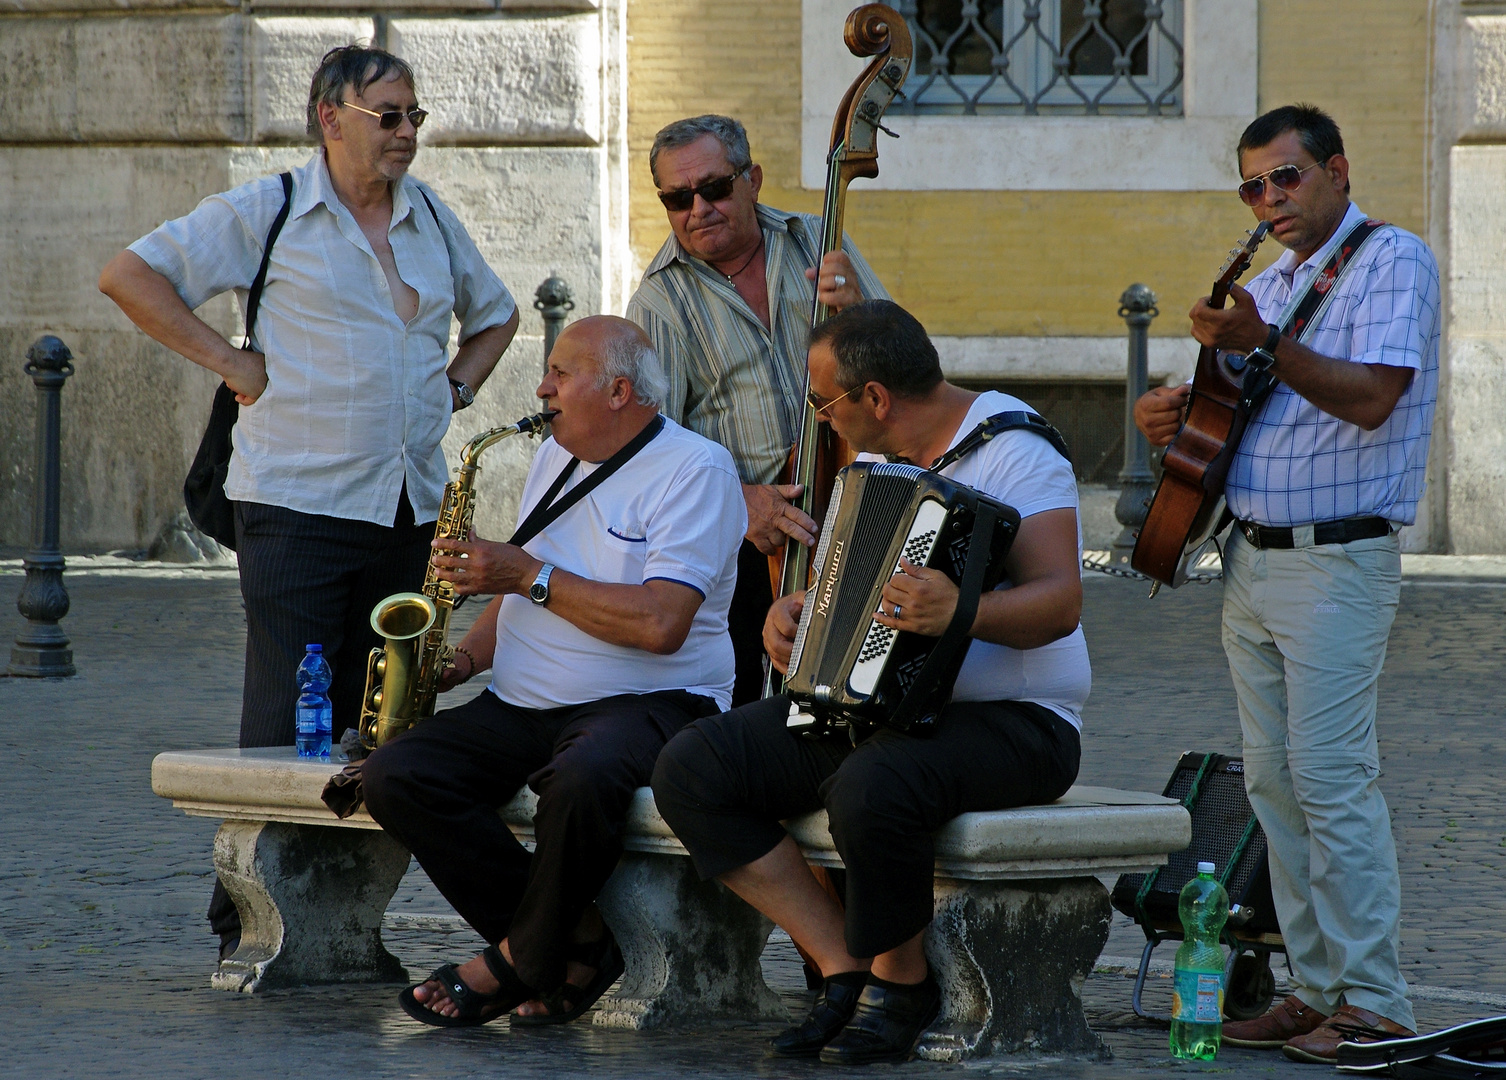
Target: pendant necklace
(746,262)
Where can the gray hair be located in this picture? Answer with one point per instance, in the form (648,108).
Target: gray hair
(626,356)
(727,131)
(356,66)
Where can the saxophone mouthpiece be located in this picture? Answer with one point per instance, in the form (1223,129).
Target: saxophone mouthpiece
(534,424)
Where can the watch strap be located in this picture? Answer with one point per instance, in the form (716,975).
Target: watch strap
(541,583)
(1272,339)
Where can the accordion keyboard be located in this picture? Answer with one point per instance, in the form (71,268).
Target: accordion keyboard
(919,545)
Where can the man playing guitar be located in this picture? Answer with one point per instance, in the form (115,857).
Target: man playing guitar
(1329,469)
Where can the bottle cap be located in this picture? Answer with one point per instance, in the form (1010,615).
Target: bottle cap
(314,648)
(1205,868)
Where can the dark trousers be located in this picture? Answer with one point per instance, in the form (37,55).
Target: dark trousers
(751,599)
(437,788)
(725,783)
(311,578)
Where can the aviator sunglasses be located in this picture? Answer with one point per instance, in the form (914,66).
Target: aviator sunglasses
(1284,177)
(389,120)
(711,191)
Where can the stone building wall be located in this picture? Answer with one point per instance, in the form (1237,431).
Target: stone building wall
(117,116)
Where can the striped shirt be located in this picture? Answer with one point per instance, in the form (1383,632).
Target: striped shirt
(1297,465)
(730,379)
(357,401)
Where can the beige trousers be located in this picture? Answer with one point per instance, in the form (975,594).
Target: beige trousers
(1305,631)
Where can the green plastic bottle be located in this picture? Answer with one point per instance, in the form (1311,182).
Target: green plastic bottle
(1197,1002)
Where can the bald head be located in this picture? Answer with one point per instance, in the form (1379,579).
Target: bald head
(622,351)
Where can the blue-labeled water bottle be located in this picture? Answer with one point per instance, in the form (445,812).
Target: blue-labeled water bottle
(315,717)
(1197,1002)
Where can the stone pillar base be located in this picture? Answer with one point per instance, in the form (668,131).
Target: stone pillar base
(692,948)
(1011,957)
(311,900)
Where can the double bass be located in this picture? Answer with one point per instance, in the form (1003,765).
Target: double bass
(879,31)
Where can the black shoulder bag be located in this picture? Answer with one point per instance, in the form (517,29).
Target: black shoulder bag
(204,490)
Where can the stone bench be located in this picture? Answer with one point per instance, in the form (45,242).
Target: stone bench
(1020,913)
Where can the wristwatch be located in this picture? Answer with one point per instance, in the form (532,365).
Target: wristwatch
(538,592)
(466,395)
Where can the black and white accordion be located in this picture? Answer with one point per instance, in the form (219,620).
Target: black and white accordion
(845,668)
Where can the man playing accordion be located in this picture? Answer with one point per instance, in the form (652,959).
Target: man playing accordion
(1009,737)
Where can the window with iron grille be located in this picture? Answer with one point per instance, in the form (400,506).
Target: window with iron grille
(1044,57)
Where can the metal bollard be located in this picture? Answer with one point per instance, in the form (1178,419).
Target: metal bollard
(1137,307)
(554,302)
(41,650)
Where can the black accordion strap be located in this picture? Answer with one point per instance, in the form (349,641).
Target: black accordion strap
(997,424)
(957,635)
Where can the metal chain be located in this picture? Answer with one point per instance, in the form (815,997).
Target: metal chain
(1201,578)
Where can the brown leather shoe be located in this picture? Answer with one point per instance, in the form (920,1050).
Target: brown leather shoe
(1349,1024)
(1281,1022)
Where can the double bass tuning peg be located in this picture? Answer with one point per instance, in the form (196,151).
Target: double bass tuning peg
(886,131)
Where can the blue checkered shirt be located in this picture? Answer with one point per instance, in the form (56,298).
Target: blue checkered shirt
(1297,465)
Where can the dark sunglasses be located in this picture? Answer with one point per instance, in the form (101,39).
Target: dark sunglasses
(388,121)
(1283,177)
(711,191)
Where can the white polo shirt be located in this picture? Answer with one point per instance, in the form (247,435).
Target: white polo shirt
(674,512)
(1022,470)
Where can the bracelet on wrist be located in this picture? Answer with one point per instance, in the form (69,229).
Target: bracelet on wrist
(469,656)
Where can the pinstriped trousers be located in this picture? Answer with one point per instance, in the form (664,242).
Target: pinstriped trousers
(310,578)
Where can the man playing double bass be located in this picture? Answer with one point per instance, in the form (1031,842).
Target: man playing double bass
(1331,466)
(727,304)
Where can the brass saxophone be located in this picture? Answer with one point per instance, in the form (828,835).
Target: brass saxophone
(402,678)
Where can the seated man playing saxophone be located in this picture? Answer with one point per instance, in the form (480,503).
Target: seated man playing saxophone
(606,635)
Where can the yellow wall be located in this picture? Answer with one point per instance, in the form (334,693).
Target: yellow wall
(1034,263)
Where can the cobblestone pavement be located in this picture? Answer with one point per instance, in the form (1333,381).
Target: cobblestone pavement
(104,955)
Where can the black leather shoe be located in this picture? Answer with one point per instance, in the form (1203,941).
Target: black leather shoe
(833,1008)
(887,1023)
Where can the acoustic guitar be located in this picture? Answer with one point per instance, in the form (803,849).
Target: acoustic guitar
(1187,509)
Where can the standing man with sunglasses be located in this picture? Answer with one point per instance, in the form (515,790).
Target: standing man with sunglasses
(345,388)
(727,304)
(1331,466)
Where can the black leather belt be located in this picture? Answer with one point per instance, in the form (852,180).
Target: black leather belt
(1324,532)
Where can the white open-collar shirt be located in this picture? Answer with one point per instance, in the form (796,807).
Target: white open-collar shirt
(356,401)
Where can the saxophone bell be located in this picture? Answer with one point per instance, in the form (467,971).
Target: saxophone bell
(391,671)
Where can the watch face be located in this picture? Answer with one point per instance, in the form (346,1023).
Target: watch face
(538,593)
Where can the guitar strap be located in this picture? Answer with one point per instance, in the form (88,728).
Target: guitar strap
(1301,319)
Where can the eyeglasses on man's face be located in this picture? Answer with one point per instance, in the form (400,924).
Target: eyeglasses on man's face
(711,191)
(1282,177)
(820,405)
(389,120)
